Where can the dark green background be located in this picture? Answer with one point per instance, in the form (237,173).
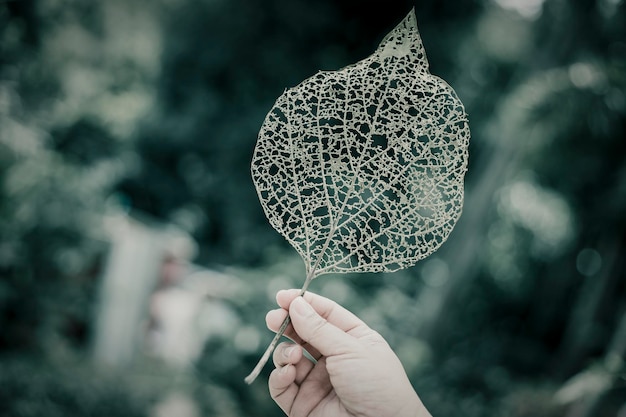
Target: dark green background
(152,108)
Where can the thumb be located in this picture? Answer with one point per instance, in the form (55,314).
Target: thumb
(328,339)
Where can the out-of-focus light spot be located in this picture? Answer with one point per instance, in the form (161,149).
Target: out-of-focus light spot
(247,339)
(134,34)
(337,290)
(393,302)
(580,385)
(177,404)
(216,319)
(277,283)
(22,140)
(121,111)
(588,262)
(82,82)
(435,272)
(584,75)
(190,218)
(70,261)
(503,36)
(529,9)
(413,353)
(482,72)
(543,212)
(501,255)
(609,7)
(501,236)
(179,243)
(373,316)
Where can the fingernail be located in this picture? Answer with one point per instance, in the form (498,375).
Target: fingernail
(301,307)
(287,351)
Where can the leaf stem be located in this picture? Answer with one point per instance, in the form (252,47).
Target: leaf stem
(266,355)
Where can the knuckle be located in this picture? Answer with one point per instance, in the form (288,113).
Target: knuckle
(376,339)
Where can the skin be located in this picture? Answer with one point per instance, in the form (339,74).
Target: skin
(355,374)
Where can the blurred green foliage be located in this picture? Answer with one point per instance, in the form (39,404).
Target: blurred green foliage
(154,107)
(37,389)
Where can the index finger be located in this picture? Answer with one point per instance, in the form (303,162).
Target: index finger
(328,309)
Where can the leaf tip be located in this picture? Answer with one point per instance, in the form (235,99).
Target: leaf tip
(404,40)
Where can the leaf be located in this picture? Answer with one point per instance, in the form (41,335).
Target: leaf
(362,169)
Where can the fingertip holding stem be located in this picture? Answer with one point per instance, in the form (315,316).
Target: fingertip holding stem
(284,369)
(259,366)
(266,355)
(301,307)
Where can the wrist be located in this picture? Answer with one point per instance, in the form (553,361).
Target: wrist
(414,408)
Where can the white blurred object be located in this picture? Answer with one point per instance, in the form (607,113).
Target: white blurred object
(176,404)
(183,320)
(185,315)
(135,264)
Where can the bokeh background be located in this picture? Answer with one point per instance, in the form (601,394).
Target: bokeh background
(136,264)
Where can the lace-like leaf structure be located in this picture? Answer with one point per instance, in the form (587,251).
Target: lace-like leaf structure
(362,169)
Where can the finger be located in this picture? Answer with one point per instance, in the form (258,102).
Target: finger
(303,369)
(328,309)
(326,337)
(291,354)
(286,353)
(317,385)
(283,388)
(274,319)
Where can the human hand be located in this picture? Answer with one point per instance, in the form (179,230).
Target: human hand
(356,373)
